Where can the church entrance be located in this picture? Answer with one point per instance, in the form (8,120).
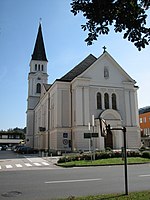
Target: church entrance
(113,139)
(108,141)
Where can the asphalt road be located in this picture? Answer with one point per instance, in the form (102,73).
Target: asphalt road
(53,183)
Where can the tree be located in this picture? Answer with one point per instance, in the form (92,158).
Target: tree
(127,16)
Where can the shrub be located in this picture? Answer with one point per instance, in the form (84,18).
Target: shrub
(87,156)
(134,154)
(116,154)
(103,155)
(108,149)
(146,154)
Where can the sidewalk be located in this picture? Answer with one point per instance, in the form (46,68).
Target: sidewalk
(52,159)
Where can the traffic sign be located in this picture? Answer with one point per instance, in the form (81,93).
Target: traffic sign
(87,135)
(65,135)
(90,135)
(65,141)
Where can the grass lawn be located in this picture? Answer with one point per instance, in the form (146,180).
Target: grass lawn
(145,195)
(107,161)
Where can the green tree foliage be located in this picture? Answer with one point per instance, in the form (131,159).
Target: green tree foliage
(127,16)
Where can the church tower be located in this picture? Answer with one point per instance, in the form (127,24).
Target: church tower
(36,78)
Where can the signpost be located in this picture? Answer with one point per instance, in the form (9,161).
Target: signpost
(65,142)
(105,128)
(91,137)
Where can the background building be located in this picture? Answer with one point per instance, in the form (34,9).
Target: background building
(12,137)
(144,118)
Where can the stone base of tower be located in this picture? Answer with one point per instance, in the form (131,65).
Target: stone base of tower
(29,141)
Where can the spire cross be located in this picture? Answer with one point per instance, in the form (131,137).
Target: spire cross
(40,20)
(104,49)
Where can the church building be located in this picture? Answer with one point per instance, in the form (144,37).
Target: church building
(59,114)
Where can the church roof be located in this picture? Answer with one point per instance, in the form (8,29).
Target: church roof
(39,49)
(47,86)
(79,69)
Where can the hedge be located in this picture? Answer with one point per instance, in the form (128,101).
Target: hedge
(103,155)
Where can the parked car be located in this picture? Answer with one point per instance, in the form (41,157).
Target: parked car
(26,150)
(3,148)
(15,148)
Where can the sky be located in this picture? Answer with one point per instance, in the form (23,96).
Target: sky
(65,48)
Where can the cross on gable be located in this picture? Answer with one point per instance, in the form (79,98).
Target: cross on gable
(104,49)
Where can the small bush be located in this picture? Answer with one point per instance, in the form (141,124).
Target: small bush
(102,155)
(134,154)
(86,156)
(116,154)
(108,149)
(146,154)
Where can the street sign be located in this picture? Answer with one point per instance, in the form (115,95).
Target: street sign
(65,141)
(65,135)
(95,135)
(87,135)
(90,135)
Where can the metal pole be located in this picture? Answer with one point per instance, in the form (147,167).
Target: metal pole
(125,161)
(93,124)
(90,140)
(93,145)
(125,154)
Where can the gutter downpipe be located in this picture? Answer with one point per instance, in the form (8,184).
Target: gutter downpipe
(48,144)
(72,149)
(33,128)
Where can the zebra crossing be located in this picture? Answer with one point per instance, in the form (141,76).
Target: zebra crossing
(23,165)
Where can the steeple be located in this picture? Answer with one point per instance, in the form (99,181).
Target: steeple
(39,49)
(36,78)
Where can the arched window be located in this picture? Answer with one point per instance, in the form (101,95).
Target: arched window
(38,67)
(114,102)
(106,73)
(99,101)
(38,88)
(106,100)
(35,67)
(42,67)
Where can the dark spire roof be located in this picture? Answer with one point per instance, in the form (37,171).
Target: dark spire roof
(39,49)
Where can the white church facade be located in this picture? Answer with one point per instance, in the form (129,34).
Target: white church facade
(58,114)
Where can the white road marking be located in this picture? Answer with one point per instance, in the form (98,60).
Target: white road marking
(18,165)
(9,166)
(28,159)
(73,181)
(45,163)
(37,164)
(28,164)
(144,175)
